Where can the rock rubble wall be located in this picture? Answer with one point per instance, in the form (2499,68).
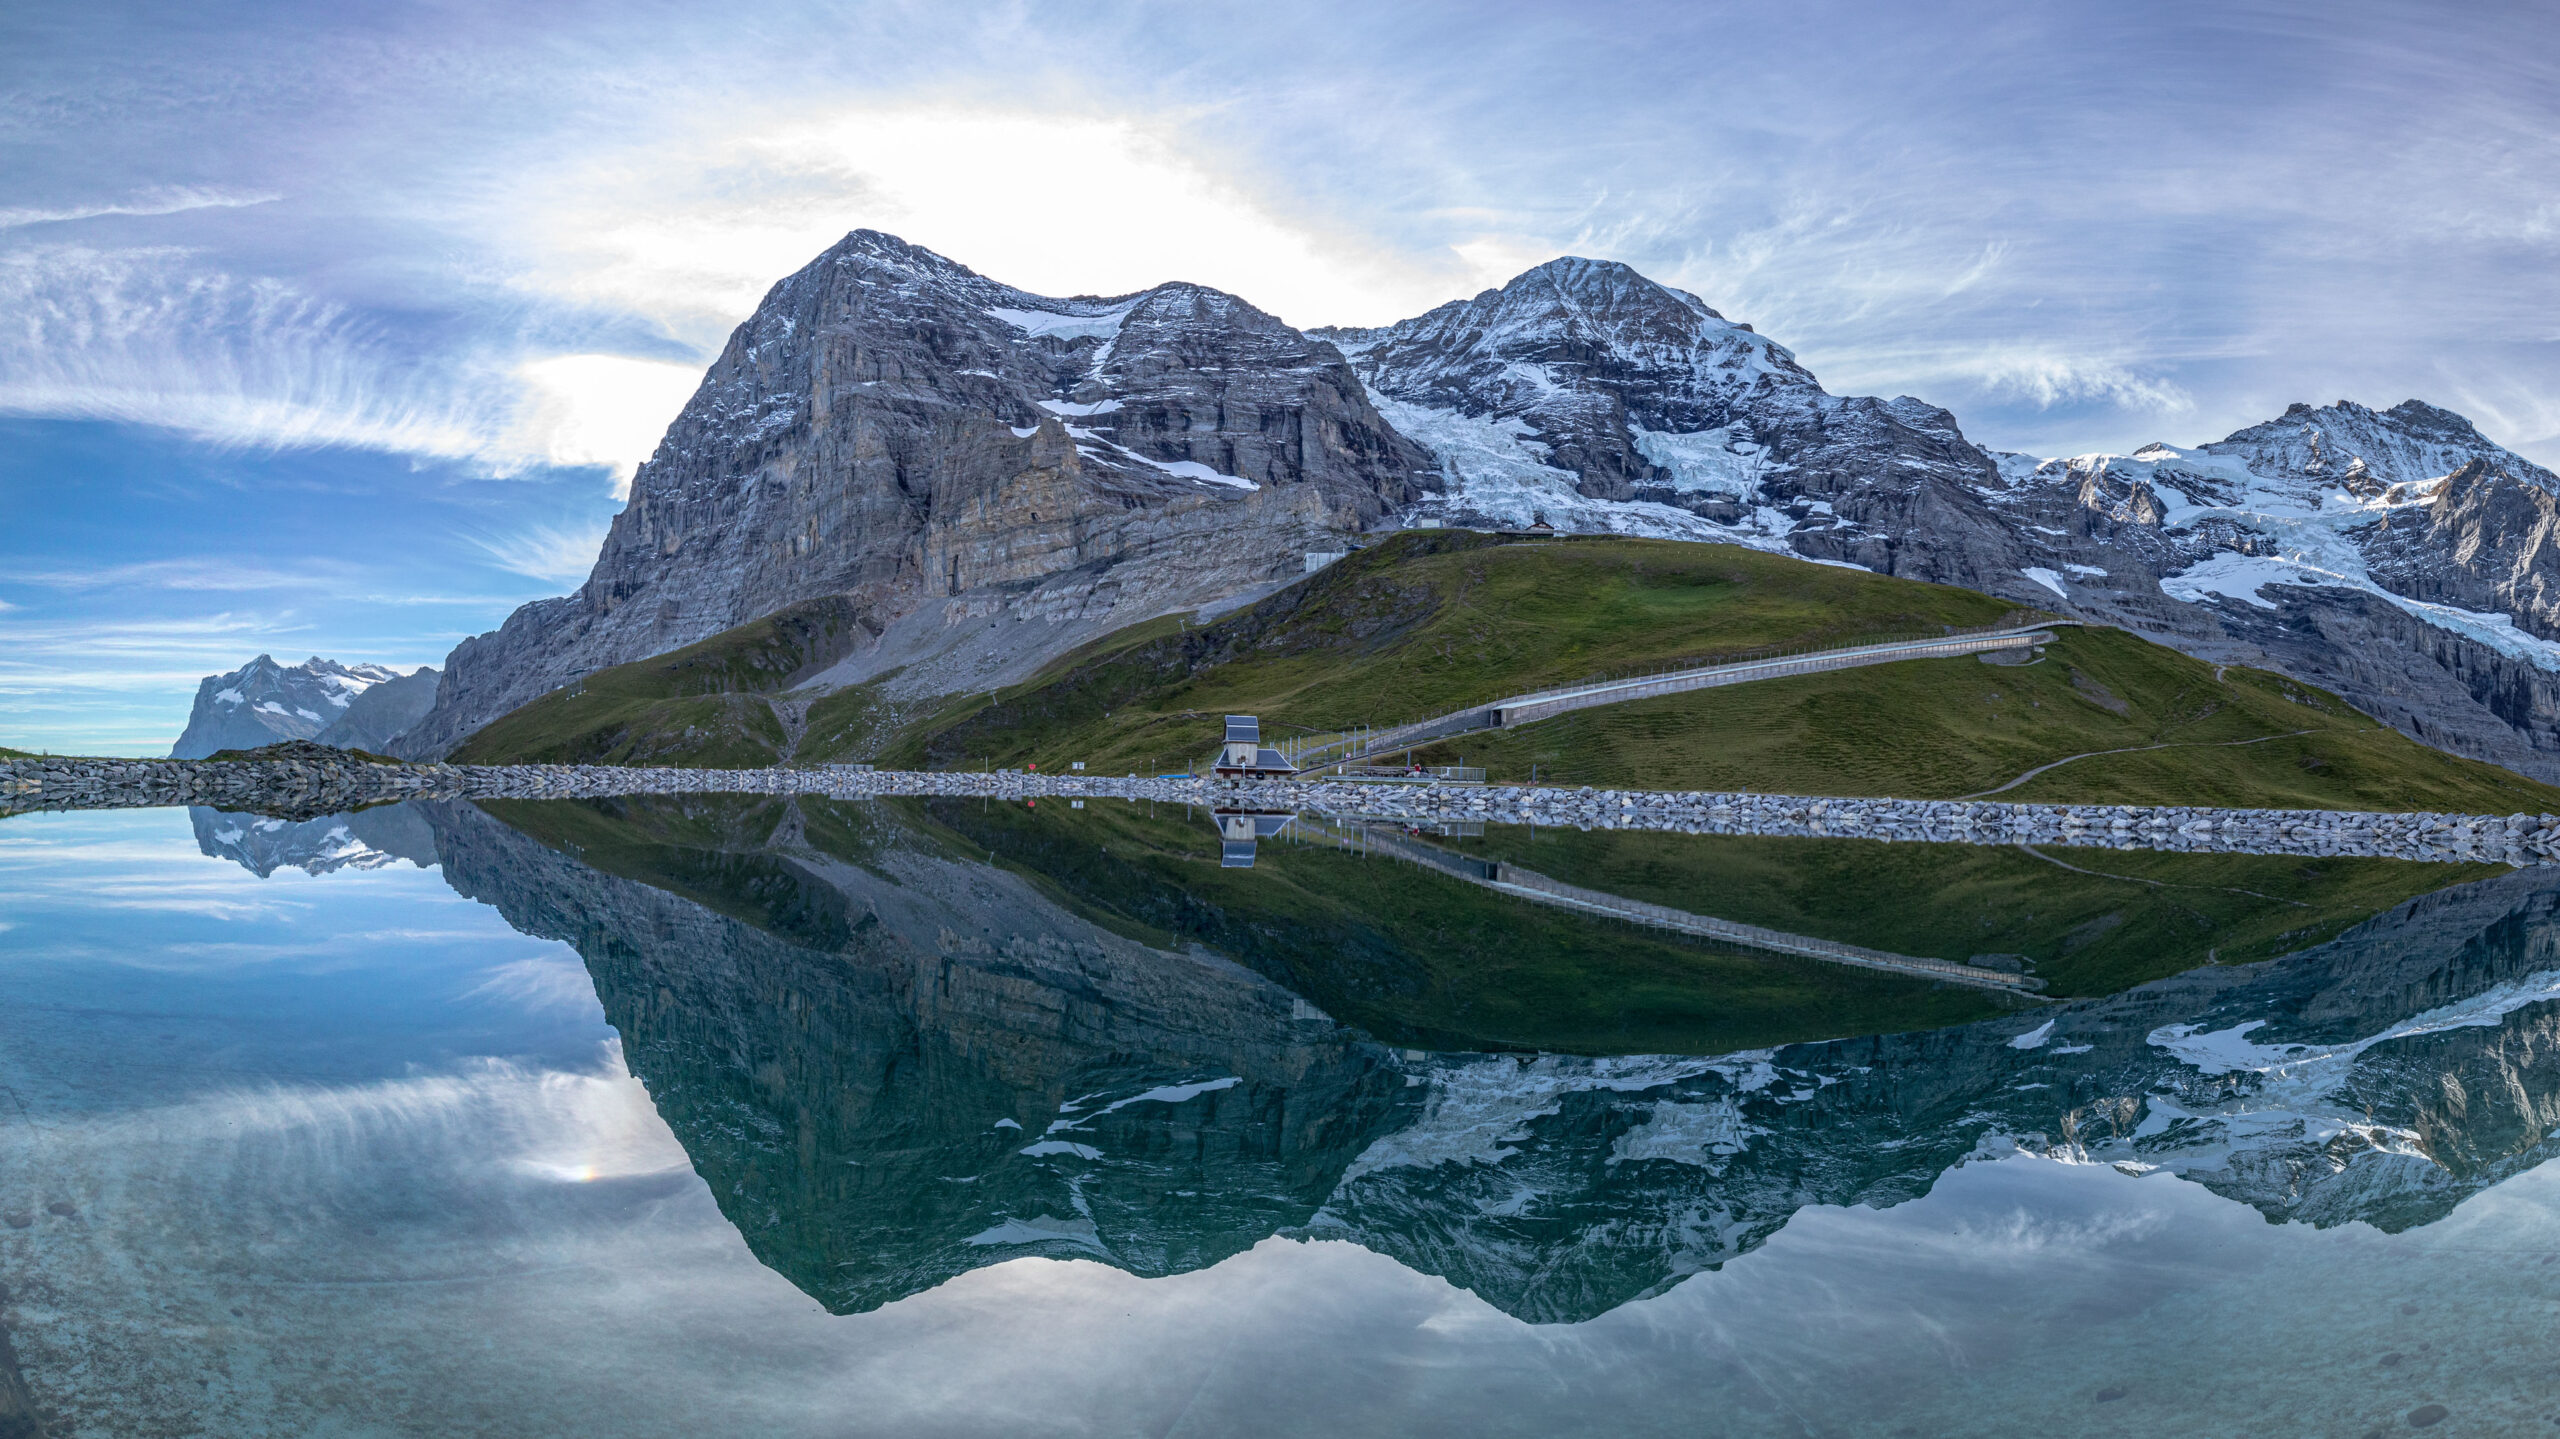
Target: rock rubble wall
(319,786)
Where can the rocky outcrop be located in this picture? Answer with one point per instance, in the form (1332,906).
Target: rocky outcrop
(293,780)
(347,706)
(943,450)
(303,788)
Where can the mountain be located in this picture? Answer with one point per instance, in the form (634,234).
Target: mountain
(350,706)
(958,458)
(990,479)
(2397,557)
(1588,394)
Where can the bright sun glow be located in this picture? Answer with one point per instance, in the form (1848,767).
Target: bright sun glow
(600,409)
(1058,204)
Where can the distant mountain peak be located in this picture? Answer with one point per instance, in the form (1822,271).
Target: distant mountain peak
(353,706)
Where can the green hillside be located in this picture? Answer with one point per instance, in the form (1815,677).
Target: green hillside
(1425,624)
(1948,728)
(2088,922)
(707,705)
(1430,621)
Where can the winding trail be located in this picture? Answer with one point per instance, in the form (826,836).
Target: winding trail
(2129,749)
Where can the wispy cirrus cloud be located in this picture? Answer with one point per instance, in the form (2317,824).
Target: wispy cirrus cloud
(162,336)
(164,200)
(2045,378)
(156,336)
(561,554)
(210,574)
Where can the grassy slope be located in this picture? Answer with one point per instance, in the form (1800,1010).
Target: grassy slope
(1425,623)
(1939,729)
(704,705)
(2091,921)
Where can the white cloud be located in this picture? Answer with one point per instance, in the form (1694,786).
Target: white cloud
(694,234)
(155,336)
(545,552)
(151,336)
(2046,378)
(555,983)
(605,410)
(163,200)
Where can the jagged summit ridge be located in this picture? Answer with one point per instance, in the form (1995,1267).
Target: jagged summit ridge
(992,476)
(352,706)
(938,447)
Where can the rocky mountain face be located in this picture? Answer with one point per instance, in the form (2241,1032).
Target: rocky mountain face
(894,1064)
(349,706)
(991,477)
(2399,557)
(1588,395)
(952,454)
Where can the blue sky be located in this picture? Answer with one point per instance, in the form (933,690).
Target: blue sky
(337,329)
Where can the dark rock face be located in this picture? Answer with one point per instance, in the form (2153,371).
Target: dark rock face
(891,427)
(344,706)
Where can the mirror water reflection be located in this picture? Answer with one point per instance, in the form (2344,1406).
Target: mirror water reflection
(908,1049)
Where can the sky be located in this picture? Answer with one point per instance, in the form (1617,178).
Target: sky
(338,330)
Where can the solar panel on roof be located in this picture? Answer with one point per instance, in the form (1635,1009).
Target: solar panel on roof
(1246,728)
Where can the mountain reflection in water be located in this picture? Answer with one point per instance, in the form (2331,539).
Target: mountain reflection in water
(894,1061)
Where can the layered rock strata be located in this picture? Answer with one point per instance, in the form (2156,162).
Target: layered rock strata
(951,453)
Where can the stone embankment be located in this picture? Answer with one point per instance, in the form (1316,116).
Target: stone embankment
(298,787)
(301,786)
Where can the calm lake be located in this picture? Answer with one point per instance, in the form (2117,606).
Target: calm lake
(764,1116)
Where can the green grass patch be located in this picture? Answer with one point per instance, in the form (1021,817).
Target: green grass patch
(703,706)
(1945,728)
(1424,623)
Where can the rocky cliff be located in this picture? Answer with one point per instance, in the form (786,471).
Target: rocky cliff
(347,706)
(991,477)
(948,453)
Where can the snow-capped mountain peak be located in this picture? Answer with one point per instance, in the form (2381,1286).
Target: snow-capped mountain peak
(357,706)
